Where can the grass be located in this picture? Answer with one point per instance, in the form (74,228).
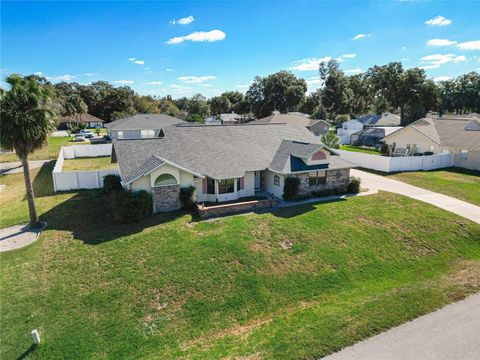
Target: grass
(48,152)
(359,149)
(89,163)
(300,282)
(460,183)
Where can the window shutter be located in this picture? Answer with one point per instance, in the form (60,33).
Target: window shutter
(204,185)
(241,183)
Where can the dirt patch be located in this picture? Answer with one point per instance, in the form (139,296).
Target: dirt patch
(467,277)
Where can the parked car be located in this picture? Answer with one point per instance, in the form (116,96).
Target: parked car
(79,137)
(101,140)
(87,134)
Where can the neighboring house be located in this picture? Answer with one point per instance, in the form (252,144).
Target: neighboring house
(141,126)
(226,163)
(317,127)
(212,120)
(353,126)
(348,128)
(372,136)
(460,136)
(231,118)
(89,120)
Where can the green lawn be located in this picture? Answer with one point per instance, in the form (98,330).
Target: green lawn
(90,163)
(459,183)
(176,287)
(359,149)
(48,152)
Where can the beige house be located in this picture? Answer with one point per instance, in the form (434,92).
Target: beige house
(227,163)
(460,136)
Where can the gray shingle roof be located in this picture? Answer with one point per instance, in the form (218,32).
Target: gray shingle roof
(385,119)
(144,121)
(218,152)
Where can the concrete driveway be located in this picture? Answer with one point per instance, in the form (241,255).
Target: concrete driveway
(456,206)
(452,332)
(15,167)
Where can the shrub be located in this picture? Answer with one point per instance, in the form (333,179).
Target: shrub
(384,149)
(353,185)
(131,206)
(186,197)
(290,189)
(112,183)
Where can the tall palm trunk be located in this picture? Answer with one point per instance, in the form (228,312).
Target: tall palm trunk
(30,196)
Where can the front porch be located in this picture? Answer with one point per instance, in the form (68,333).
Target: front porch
(208,210)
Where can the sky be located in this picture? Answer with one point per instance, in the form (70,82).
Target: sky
(182,48)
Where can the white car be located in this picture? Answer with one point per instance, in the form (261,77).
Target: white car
(79,137)
(86,133)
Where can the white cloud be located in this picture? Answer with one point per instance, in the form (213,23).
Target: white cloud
(346,56)
(199,36)
(155,91)
(438,21)
(441,78)
(353,71)
(168,70)
(313,80)
(38,73)
(131,59)
(196,79)
(440,42)
(403,48)
(90,74)
(309,64)
(361,36)
(123,82)
(136,61)
(470,45)
(435,60)
(154,83)
(183,21)
(65,77)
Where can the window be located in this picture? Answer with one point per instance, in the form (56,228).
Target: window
(226,186)
(165,179)
(240,184)
(120,134)
(317,178)
(276,180)
(210,186)
(147,133)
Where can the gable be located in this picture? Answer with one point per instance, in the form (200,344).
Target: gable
(473,126)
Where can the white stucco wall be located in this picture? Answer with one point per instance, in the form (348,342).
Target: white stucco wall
(270,187)
(469,160)
(148,181)
(248,190)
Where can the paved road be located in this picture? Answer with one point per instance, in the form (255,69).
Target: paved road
(16,166)
(459,207)
(451,333)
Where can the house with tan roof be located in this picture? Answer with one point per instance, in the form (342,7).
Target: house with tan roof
(89,120)
(141,126)
(457,135)
(317,127)
(226,163)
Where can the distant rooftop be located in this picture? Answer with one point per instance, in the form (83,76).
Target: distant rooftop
(144,121)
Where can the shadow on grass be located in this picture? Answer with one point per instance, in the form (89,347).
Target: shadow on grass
(453,170)
(27,352)
(88,216)
(295,210)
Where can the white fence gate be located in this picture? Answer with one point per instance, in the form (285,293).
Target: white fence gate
(394,164)
(74,180)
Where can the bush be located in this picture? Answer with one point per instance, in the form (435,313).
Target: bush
(186,197)
(112,183)
(290,189)
(384,149)
(131,206)
(353,185)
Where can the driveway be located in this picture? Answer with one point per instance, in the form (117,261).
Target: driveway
(16,166)
(452,332)
(376,182)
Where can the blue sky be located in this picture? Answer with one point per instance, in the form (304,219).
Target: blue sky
(181,48)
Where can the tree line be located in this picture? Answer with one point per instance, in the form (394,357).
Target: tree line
(389,87)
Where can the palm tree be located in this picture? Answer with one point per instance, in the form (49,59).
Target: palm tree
(330,140)
(25,126)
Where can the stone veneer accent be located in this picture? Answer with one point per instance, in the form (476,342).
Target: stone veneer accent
(336,179)
(166,198)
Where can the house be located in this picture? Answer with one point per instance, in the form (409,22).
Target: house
(348,128)
(353,126)
(372,136)
(460,136)
(227,163)
(231,118)
(141,126)
(317,127)
(89,120)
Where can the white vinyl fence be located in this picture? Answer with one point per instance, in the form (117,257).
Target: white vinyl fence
(73,180)
(394,164)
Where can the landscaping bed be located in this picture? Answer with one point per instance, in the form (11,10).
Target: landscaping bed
(298,282)
(89,163)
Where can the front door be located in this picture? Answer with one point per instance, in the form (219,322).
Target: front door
(259,180)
